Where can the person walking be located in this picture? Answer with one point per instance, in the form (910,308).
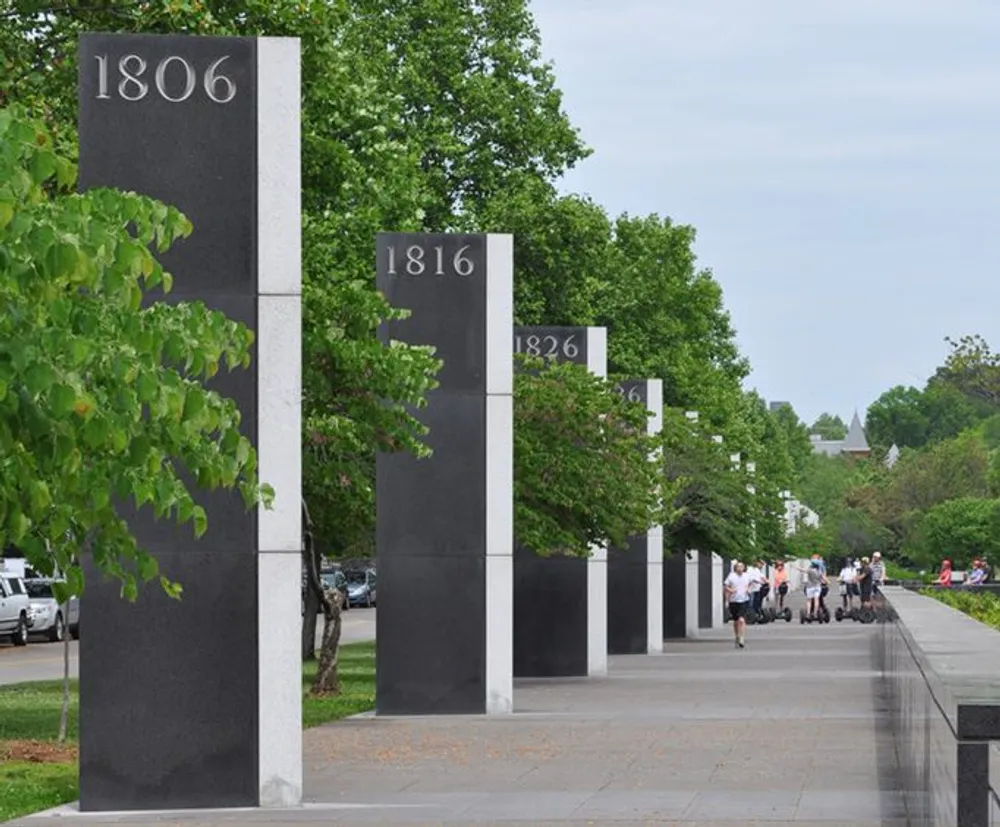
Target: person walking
(737,588)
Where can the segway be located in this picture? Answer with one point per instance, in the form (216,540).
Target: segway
(780,614)
(822,617)
(845,614)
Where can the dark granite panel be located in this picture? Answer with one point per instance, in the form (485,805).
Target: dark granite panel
(168,689)
(973,775)
(436,506)
(448,310)
(674,596)
(705,590)
(431,513)
(628,589)
(635,390)
(550,615)
(197,155)
(561,344)
(431,636)
(979,721)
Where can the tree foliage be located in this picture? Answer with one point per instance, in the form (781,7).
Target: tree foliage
(102,400)
(585,469)
(829,426)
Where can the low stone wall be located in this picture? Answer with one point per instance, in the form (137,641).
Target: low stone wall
(942,674)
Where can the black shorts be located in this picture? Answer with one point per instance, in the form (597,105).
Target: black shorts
(737,610)
(782,588)
(852,589)
(866,592)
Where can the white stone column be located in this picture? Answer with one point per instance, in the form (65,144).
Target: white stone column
(597,565)
(654,537)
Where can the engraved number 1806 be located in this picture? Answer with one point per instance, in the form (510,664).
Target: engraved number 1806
(132,87)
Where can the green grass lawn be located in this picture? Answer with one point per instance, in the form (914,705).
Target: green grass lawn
(30,712)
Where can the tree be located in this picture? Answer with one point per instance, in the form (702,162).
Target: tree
(973,368)
(102,400)
(584,467)
(711,503)
(897,417)
(959,529)
(479,108)
(829,427)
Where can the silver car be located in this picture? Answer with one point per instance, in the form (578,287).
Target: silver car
(51,619)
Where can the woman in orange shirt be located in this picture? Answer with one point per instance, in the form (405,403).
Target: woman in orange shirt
(780,583)
(944,576)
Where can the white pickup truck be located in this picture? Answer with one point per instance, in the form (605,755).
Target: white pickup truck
(15,609)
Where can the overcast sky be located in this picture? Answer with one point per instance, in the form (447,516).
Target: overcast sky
(839,159)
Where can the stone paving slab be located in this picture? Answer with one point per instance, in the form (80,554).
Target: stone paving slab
(790,730)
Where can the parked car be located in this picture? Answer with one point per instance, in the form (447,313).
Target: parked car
(15,609)
(335,579)
(51,619)
(361,587)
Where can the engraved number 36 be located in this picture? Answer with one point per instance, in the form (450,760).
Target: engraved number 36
(178,88)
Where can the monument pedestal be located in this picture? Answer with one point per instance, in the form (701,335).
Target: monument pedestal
(197,702)
(560,603)
(444,530)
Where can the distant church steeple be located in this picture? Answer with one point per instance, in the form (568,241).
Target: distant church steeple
(856,443)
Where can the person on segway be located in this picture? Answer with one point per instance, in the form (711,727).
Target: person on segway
(765,586)
(865,583)
(847,581)
(756,575)
(781,583)
(814,586)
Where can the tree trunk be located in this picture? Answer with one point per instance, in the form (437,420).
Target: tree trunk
(312,610)
(64,712)
(327,680)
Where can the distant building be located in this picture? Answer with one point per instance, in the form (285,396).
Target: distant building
(776,406)
(797,514)
(855,444)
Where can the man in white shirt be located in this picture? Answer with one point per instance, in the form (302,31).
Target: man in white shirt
(737,589)
(848,586)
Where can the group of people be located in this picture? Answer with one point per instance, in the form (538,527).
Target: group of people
(979,574)
(746,588)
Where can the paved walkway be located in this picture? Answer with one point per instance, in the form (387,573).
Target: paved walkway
(788,731)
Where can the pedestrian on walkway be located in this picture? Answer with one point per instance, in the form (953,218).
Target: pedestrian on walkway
(737,588)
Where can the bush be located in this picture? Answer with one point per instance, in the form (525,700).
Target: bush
(981,606)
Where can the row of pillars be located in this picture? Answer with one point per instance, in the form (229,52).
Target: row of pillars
(198,702)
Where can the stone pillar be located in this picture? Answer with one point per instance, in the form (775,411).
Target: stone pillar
(560,603)
(718,605)
(444,531)
(691,593)
(635,573)
(674,589)
(197,702)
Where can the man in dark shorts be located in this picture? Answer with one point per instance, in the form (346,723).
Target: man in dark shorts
(737,587)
